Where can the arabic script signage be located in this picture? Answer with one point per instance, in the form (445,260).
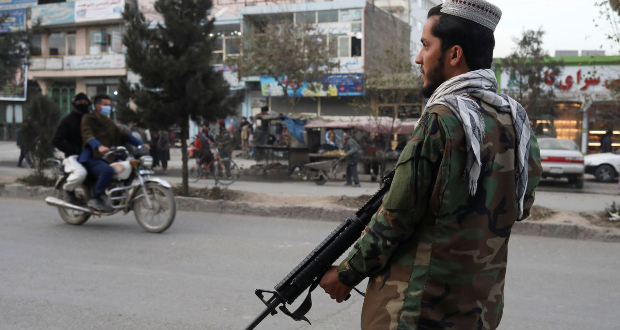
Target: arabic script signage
(94,62)
(54,13)
(15,21)
(576,79)
(98,10)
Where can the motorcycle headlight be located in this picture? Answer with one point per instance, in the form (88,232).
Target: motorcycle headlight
(146,161)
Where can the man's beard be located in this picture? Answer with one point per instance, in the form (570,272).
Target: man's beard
(435,78)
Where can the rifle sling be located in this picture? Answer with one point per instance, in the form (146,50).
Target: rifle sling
(304,308)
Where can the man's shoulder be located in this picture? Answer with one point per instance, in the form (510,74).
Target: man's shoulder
(441,116)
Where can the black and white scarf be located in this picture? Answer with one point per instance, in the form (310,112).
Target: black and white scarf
(458,95)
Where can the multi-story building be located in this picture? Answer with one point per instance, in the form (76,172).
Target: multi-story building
(413,12)
(354,32)
(80,49)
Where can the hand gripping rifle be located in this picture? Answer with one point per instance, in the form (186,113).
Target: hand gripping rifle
(309,272)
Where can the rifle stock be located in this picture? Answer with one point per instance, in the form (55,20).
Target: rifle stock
(309,272)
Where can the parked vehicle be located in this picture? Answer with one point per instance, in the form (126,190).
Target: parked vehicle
(561,158)
(132,189)
(605,167)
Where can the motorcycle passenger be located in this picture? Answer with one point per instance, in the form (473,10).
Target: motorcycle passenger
(99,133)
(68,139)
(224,139)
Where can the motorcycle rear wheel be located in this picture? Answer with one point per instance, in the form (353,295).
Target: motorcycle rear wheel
(161,215)
(72,217)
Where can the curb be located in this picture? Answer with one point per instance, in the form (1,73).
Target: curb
(190,204)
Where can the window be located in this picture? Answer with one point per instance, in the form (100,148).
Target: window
(233,46)
(36,46)
(105,40)
(419,25)
(70,43)
(351,15)
(227,43)
(57,44)
(420,3)
(356,27)
(344,46)
(328,16)
(333,45)
(306,17)
(356,47)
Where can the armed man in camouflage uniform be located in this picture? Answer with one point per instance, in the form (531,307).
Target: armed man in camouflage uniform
(436,251)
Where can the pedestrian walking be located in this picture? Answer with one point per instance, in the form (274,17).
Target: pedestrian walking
(154,150)
(436,250)
(352,158)
(23,153)
(163,149)
(606,141)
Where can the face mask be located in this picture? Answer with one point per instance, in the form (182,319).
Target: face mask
(82,108)
(105,110)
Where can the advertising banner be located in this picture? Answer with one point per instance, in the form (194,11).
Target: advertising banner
(14,89)
(332,85)
(13,4)
(230,74)
(54,13)
(575,79)
(15,22)
(94,62)
(98,10)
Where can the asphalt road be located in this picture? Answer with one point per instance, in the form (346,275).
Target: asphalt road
(202,272)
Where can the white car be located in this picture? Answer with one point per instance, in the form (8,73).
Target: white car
(561,158)
(605,167)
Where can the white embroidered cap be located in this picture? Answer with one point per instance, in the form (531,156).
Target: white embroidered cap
(479,11)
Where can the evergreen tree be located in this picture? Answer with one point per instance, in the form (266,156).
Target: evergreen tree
(174,61)
(532,75)
(38,130)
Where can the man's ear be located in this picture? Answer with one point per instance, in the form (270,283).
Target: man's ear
(456,56)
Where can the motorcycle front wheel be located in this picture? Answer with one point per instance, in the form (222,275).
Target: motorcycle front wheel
(72,217)
(160,215)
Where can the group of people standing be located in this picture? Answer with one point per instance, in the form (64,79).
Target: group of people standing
(160,142)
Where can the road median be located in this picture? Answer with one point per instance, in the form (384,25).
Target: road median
(555,229)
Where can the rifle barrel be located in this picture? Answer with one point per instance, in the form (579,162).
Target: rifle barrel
(273,303)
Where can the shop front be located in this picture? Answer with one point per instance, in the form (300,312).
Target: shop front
(586,105)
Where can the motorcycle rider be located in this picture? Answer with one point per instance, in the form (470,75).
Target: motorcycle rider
(99,132)
(68,139)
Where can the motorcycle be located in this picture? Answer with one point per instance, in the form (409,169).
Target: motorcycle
(132,189)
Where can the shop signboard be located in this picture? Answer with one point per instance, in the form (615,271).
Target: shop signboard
(575,80)
(116,61)
(54,13)
(15,21)
(230,74)
(333,85)
(98,10)
(14,89)
(14,4)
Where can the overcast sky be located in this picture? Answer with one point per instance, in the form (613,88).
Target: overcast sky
(568,25)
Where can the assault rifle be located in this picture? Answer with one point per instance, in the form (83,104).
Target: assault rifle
(309,272)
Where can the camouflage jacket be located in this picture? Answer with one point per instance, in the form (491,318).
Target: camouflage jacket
(435,255)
